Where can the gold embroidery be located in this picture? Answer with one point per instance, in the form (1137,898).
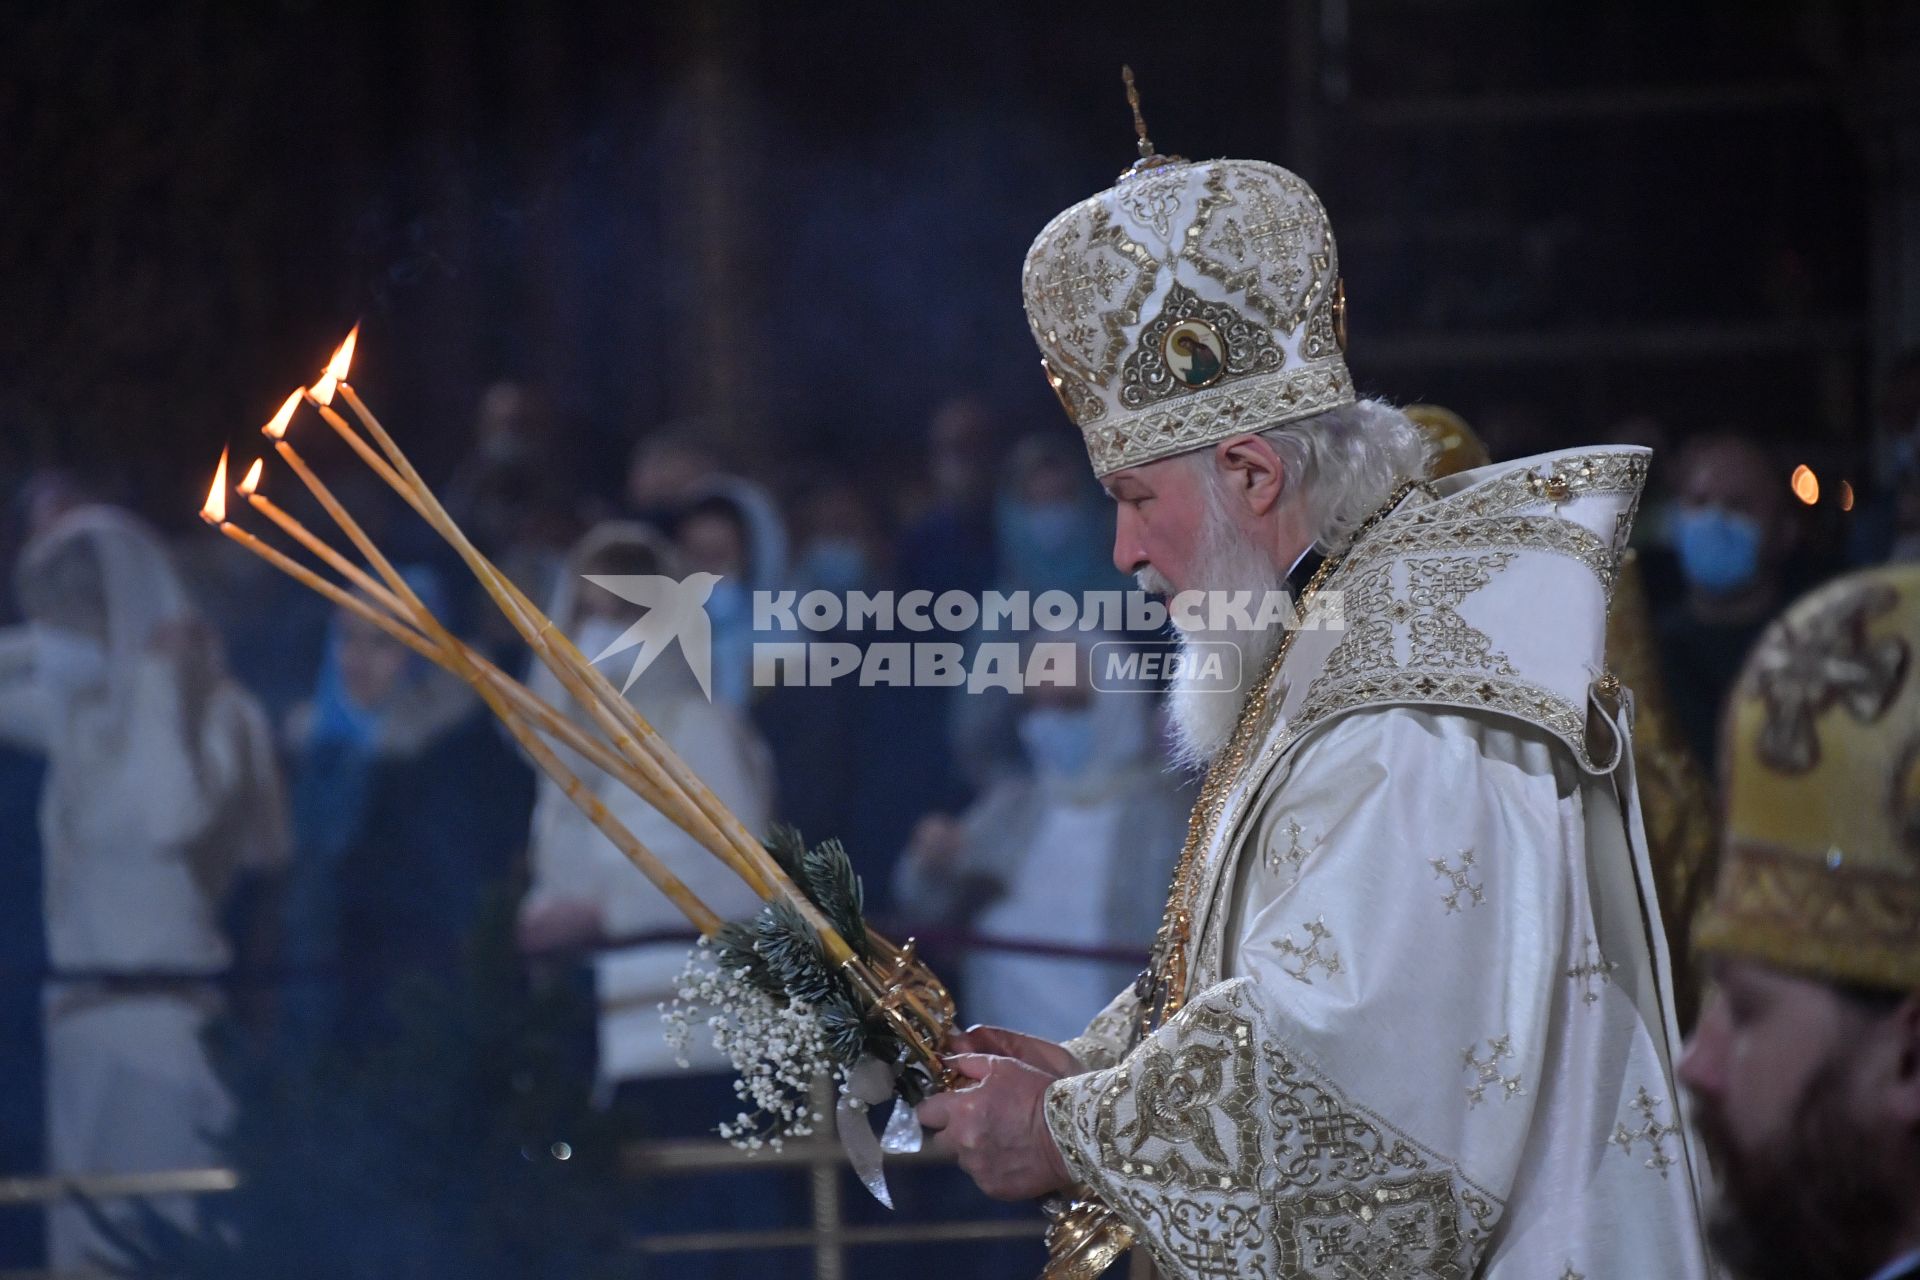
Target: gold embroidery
(1651,1131)
(1508,697)
(1767,897)
(1801,673)
(1288,862)
(1273,245)
(1146,379)
(1591,966)
(1367,642)
(1275,1173)
(1461,878)
(1153,200)
(1487,1072)
(1216,413)
(1440,638)
(1085,292)
(1111,1033)
(1311,956)
(1569,477)
(1164,986)
(1438,530)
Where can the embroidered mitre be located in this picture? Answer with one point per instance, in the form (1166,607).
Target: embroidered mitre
(1820,867)
(1189,302)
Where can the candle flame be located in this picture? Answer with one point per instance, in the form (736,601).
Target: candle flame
(215,512)
(337,368)
(1806,485)
(277,428)
(252,481)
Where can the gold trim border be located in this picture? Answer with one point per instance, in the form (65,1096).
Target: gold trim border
(1788,908)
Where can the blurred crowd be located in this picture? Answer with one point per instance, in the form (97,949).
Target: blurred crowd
(210,772)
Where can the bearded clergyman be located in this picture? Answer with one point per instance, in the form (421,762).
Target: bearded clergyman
(1409,1012)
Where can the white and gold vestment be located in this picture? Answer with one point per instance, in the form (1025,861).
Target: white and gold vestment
(1426,1030)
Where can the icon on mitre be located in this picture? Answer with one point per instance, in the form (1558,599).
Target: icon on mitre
(1195,353)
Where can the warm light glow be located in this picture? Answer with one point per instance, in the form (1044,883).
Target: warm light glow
(252,481)
(343,358)
(1806,485)
(277,428)
(215,512)
(1846,495)
(337,368)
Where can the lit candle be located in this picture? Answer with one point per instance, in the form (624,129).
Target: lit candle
(562,655)
(702,917)
(632,735)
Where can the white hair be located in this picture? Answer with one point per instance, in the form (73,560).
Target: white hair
(1343,464)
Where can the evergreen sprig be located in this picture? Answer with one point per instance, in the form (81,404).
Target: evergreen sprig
(780,953)
(789,849)
(733,947)
(830,882)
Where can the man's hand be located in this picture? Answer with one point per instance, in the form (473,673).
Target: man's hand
(997,1127)
(1032,1050)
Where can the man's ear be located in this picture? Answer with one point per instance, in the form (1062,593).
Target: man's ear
(1904,1085)
(1255,471)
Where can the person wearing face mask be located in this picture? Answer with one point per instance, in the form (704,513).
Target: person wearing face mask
(841,544)
(1096,811)
(584,893)
(583,890)
(1732,531)
(408,810)
(1050,526)
(733,528)
(161,794)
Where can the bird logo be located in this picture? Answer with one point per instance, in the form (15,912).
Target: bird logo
(675,610)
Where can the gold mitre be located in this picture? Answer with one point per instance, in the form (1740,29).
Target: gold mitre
(1457,446)
(1189,302)
(1820,867)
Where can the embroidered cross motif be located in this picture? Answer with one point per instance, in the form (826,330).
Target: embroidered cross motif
(1292,856)
(1591,967)
(1461,879)
(1487,1071)
(1311,956)
(1271,222)
(1828,659)
(1651,1131)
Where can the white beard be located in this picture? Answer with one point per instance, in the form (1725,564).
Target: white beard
(1204,710)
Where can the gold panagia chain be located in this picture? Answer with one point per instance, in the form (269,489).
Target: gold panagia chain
(1162,986)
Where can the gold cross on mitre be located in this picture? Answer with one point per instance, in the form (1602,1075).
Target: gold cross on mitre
(1149,158)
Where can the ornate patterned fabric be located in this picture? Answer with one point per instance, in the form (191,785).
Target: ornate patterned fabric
(1427,1032)
(1188,303)
(1821,864)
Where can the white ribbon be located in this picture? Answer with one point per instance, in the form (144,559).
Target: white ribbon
(870,1083)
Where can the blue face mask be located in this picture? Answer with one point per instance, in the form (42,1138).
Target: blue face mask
(834,564)
(1059,742)
(1050,526)
(1719,550)
(730,602)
